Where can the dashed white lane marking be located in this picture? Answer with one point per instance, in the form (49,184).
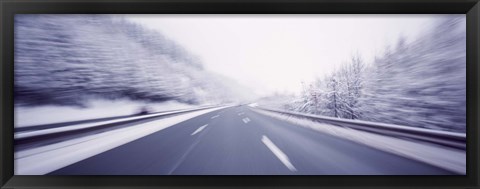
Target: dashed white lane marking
(199,129)
(280,155)
(241,113)
(215,116)
(246,120)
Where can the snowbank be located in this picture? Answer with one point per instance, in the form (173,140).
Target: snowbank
(41,115)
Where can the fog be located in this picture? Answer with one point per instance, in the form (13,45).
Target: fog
(275,53)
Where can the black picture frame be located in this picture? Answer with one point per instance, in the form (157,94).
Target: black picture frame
(11,7)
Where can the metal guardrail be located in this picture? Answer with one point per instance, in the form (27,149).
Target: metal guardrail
(51,135)
(451,139)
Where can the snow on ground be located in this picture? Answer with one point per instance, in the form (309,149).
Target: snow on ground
(45,159)
(40,115)
(447,158)
(26,134)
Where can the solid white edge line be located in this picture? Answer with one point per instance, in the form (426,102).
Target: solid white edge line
(199,129)
(277,152)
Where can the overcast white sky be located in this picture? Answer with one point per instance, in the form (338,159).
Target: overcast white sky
(270,53)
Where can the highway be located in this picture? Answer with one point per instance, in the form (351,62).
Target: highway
(239,141)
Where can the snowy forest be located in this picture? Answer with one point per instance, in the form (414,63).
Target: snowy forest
(419,83)
(68,59)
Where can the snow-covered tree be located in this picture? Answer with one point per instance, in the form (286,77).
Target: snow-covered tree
(332,94)
(351,83)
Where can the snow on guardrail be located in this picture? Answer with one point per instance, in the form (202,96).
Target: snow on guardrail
(75,127)
(451,139)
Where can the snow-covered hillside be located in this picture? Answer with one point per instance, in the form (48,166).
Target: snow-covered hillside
(71,59)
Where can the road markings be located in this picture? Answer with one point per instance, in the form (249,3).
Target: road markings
(241,113)
(246,120)
(213,117)
(199,129)
(280,155)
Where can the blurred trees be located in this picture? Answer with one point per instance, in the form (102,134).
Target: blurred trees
(421,83)
(67,59)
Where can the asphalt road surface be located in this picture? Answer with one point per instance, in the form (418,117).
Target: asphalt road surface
(239,141)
